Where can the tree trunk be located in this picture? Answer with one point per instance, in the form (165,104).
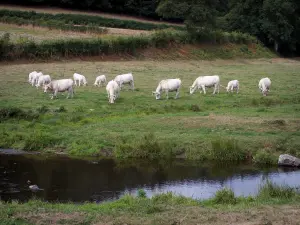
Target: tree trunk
(276,46)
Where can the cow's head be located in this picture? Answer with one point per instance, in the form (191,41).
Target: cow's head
(157,94)
(47,87)
(192,89)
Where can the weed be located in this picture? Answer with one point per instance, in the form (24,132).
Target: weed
(224,196)
(141,193)
(263,157)
(39,141)
(227,150)
(271,190)
(16,113)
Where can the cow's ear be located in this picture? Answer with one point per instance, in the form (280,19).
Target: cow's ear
(153,92)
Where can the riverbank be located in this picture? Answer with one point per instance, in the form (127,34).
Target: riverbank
(272,205)
(228,127)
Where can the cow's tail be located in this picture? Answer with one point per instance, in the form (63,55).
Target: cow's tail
(222,86)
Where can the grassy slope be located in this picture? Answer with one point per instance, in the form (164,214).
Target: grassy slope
(273,205)
(54,10)
(40,34)
(186,126)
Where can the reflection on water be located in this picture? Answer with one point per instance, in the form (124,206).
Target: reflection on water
(65,179)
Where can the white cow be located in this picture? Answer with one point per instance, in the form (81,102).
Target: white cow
(168,85)
(80,78)
(264,85)
(44,79)
(99,80)
(30,76)
(125,79)
(206,81)
(113,90)
(35,77)
(233,84)
(62,85)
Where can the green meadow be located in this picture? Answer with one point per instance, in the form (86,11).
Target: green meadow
(225,127)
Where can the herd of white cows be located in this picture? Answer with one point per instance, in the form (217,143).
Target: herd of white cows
(114,86)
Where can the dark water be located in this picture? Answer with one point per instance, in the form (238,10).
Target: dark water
(64,179)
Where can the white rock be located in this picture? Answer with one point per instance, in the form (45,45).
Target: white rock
(288,160)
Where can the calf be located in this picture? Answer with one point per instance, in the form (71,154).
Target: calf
(80,78)
(99,80)
(233,84)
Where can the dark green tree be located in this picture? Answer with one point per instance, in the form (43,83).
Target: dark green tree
(195,13)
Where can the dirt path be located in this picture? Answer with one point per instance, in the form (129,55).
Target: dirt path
(266,215)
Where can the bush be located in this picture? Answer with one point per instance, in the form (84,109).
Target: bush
(262,157)
(141,193)
(224,196)
(271,190)
(227,150)
(16,113)
(39,141)
(147,147)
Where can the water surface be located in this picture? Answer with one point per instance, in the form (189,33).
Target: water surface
(64,179)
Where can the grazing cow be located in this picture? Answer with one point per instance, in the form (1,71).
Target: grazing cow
(30,76)
(168,85)
(206,81)
(35,77)
(125,79)
(60,86)
(80,78)
(44,79)
(233,84)
(99,80)
(264,85)
(113,90)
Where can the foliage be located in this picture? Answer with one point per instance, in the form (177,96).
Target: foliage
(273,22)
(131,7)
(227,150)
(197,14)
(224,196)
(101,46)
(271,190)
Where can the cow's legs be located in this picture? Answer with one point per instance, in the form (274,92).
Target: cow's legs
(132,85)
(177,93)
(203,88)
(167,94)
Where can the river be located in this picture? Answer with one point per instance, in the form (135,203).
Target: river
(78,180)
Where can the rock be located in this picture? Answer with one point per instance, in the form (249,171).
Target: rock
(288,160)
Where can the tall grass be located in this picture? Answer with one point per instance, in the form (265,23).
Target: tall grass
(54,24)
(78,19)
(93,47)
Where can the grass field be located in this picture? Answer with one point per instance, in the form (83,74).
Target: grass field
(38,34)
(273,205)
(221,127)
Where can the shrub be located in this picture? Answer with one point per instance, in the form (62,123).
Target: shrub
(16,113)
(141,193)
(224,196)
(262,157)
(271,190)
(39,141)
(227,150)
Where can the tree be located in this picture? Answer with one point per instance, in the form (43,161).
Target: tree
(274,22)
(195,13)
